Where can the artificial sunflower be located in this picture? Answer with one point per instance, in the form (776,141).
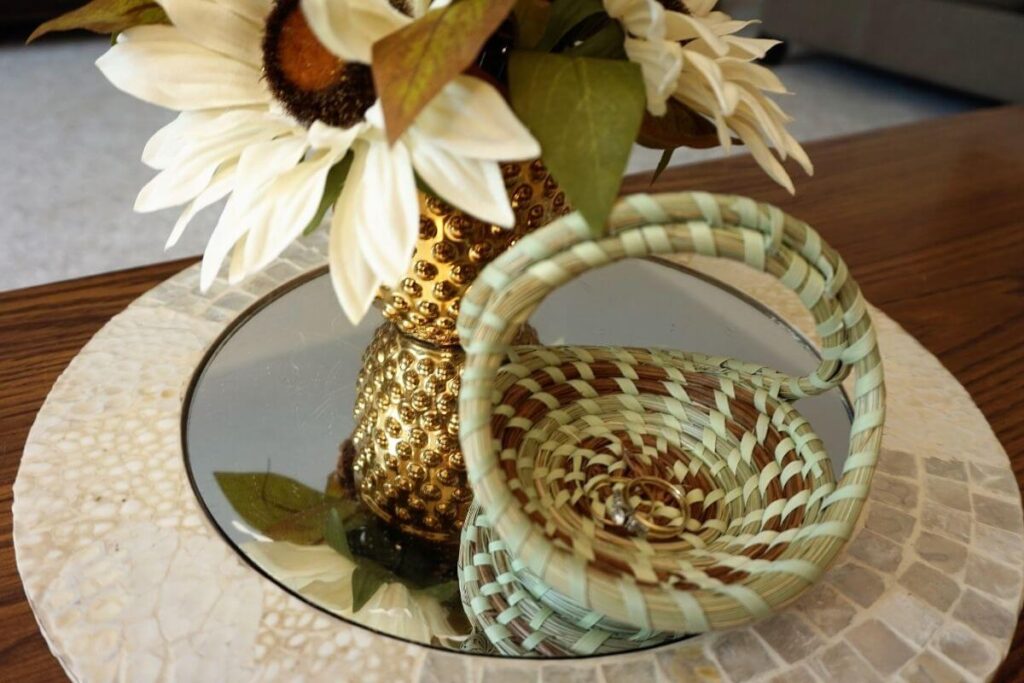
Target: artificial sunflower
(320,574)
(689,52)
(267,113)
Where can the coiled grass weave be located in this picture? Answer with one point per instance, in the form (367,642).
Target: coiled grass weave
(764,515)
(521,616)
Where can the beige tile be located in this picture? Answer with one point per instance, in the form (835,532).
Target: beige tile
(947,469)
(912,618)
(789,636)
(890,522)
(929,584)
(947,521)
(998,513)
(897,463)
(858,583)
(840,664)
(635,670)
(688,662)
(992,577)
(567,673)
(942,553)
(929,667)
(741,656)
(875,551)
(824,607)
(952,494)
(900,493)
(995,480)
(984,615)
(967,650)
(877,643)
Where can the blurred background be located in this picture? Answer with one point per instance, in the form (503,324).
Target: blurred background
(73,142)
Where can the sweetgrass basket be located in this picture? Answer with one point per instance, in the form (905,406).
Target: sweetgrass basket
(757,515)
(520,616)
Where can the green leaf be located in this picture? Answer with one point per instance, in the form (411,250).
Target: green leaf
(335,534)
(309,527)
(366,579)
(264,499)
(442,592)
(586,114)
(606,42)
(566,15)
(532,18)
(332,188)
(663,162)
(413,64)
(303,528)
(105,16)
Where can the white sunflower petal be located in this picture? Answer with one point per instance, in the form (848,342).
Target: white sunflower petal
(220,186)
(165,145)
(679,26)
(160,66)
(755,75)
(724,25)
(776,111)
(290,561)
(749,48)
(700,8)
(291,202)
(322,136)
(354,282)
(192,170)
(470,118)
(349,29)
(661,62)
(472,185)
(752,113)
(255,11)
(797,152)
(763,155)
(641,18)
(216,27)
(294,196)
(387,207)
(724,92)
(236,267)
(257,166)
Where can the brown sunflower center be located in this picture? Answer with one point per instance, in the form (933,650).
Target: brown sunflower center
(674,6)
(306,78)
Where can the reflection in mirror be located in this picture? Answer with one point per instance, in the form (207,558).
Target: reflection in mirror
(268,435)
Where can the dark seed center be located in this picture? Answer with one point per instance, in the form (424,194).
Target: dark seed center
(306,78)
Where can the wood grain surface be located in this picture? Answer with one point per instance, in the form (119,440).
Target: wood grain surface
(929,217)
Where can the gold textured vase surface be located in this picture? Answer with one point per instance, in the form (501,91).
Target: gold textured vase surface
(408,466)
(406,460)
(453,248)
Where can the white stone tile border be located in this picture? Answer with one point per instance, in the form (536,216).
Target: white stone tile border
(130,582)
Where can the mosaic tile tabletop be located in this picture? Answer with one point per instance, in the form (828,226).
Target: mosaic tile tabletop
(129,581)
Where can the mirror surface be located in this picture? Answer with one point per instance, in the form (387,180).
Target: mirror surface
(274,400)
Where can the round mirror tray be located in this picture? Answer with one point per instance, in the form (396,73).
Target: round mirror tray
(185,508)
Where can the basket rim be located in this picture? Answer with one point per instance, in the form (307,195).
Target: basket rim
(644,225)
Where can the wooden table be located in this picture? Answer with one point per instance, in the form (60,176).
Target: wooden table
(930,218)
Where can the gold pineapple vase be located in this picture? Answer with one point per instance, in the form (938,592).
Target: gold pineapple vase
(453,248)
(408,465)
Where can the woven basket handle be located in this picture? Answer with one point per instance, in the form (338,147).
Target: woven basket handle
(726,226)
(510,289)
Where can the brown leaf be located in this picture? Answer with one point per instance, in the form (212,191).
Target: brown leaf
(679,127)
(532,18)
(412,65)
(105,16)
